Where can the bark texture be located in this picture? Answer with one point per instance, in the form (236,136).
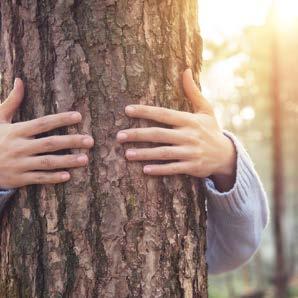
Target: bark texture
(111,231)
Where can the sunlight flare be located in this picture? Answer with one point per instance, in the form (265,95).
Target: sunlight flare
(287,11)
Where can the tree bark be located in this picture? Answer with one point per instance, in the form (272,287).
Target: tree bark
(111,231)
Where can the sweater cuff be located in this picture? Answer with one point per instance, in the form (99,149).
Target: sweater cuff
(5,194)
(235,201)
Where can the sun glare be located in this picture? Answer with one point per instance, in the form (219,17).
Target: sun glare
(222,19)
(287,11)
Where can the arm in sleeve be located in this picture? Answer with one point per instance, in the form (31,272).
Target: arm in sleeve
(237,218)
(5,194)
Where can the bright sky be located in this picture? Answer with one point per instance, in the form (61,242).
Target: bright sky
(220,19)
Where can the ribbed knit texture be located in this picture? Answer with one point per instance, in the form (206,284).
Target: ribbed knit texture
(236,219)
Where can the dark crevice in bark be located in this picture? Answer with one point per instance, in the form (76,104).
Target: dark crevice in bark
(22,278)
(93,93)
(47,50)
(18,28)
(182,34)
(47,62)
(71,263)
(162,99)
(176,256)
(33,194)
(68,243)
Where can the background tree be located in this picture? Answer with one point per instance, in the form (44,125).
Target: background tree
(111,231)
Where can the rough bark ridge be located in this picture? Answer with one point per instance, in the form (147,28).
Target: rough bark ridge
(111,231)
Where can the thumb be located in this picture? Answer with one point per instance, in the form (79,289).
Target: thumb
(199,103)
(12,102)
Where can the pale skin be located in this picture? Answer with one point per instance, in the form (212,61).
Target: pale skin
(24,159)
(195,144)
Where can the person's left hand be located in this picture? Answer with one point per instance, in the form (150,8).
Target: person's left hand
(197,147)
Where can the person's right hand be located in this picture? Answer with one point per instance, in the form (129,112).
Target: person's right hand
(22,157)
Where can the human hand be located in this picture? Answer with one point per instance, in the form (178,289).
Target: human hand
(22,159)
(196,140)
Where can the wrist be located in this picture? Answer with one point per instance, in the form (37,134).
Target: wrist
(228,158)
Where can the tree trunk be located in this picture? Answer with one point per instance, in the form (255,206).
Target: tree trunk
(111,231)
(280,278)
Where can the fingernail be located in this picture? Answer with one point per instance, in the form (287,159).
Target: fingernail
(65,176)
(147,169)
(16,83)
(88,141)
(76,116)
(131,153)
(129,109)
(122,136)
(82,159)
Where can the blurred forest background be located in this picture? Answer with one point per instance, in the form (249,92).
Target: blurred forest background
(250,74)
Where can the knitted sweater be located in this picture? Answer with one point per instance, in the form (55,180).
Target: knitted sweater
(236,219)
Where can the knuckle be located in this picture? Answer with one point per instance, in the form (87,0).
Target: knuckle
(163,112)
(141,109)
(18,151)
(8,139)
(13,148)
(43,122)
(72,159)
(40,178)
(198,164)
(20,148)
(79,140)
(196,152)
(158,131)
(192,139)
(165,153)
(174,168)
(72,140)
(49,143)
(68,141)
(10,134)
(196,121)
(135,134)
(47,163)
(193,121)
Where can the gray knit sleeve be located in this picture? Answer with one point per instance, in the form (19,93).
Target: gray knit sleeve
(236,218)
(5,194)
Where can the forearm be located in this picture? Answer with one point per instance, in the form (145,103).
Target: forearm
(236,218)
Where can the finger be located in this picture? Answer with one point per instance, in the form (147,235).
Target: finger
(51,162)
(173,168)
(155,134)
(12,102)
(47,123)
(40,177)
(160,153)
(160,114)
(55,143)
(199,103)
